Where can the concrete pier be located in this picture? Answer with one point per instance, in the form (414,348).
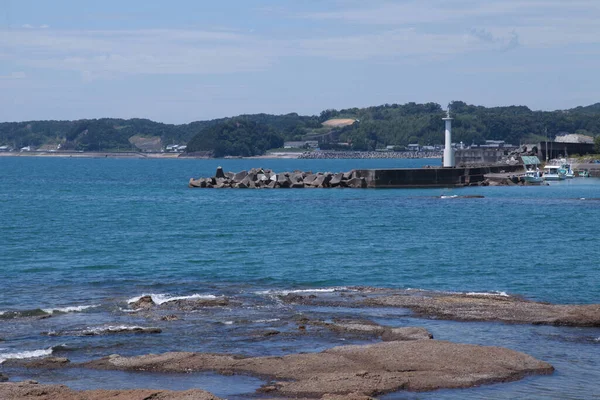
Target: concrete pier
(430,177)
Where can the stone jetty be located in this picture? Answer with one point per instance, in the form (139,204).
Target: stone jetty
(258,178)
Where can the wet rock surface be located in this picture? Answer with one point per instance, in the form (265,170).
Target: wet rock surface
(46,362)
(26,390)
(190,304)
(463,306)
(363,370)
(507,309)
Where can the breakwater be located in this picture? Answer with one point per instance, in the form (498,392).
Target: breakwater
(258,178)
(322,155)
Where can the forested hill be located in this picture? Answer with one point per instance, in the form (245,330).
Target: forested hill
(375,127)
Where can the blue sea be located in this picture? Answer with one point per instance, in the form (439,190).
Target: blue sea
(81,237)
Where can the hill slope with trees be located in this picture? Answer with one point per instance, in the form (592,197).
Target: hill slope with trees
(375,127)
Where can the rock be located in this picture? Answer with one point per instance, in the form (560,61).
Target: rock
(336,179)
(45,362)
(28,390)
(309,179)
(240,176)
(116,330)
(229,175)
(170,317)
(271,184)
(3,377)
(271,333)
(366,370)
(284,181)
(245,182)
(357,183)
(409,333)
(297,177)
(297,185)
(490,307)
(318,181)
(196,304)
(219,173)
(348,175)
(144,302)
(194,183)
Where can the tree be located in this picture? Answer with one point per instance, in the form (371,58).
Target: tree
(597,144)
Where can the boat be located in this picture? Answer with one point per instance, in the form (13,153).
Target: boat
(554,173)
(566,169)
(533,177)
(582,173)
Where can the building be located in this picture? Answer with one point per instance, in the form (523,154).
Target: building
(305,144)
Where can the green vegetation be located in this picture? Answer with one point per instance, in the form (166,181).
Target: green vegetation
(236,138)
(376,127)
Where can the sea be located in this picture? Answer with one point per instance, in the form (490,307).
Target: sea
(81,238)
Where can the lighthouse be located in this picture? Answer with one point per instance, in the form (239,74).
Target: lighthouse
(448,151)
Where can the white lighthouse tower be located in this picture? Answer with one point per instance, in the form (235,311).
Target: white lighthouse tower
(448,150)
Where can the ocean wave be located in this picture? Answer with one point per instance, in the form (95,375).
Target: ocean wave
(162,298)
(295,291)
(68,309)
(495,293)
(36,312)
(264,321)
(43,312)
(112,329)
(25,354)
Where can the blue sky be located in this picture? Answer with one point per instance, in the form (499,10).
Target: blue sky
(182,60)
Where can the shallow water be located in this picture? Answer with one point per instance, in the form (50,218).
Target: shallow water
(98,232)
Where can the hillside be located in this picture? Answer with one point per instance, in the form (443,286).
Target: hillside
(363,128)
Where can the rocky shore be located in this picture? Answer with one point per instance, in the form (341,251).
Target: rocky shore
(383,359)
(355,371)
(467,307)
(322,155)
(33,390)
(258,178)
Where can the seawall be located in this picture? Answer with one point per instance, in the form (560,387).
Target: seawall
(360,178)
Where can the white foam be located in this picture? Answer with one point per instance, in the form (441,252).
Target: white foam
(286,292)
(501,294)
(25,354)
(448,196)
(126,310)
(228,323)
(68,309)
(112,328)
(162,298)
(263,321)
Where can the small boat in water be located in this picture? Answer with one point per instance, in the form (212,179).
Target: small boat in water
(533,177)
(566,169)
(554,173)
(582,173)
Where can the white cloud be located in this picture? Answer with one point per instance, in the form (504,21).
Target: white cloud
(14,76)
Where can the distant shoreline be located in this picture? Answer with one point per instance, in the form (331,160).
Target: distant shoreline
(184,156)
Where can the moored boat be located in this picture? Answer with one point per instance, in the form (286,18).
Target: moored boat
(554,173)
(533,177)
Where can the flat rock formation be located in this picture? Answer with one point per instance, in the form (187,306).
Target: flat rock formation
(189,304)
(369,328)
(258,178)
(507,309)
(355,371)
(29,390)
(462,306)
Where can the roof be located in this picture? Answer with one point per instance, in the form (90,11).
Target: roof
(528,160)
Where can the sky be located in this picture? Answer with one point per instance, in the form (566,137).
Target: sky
(179,61)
